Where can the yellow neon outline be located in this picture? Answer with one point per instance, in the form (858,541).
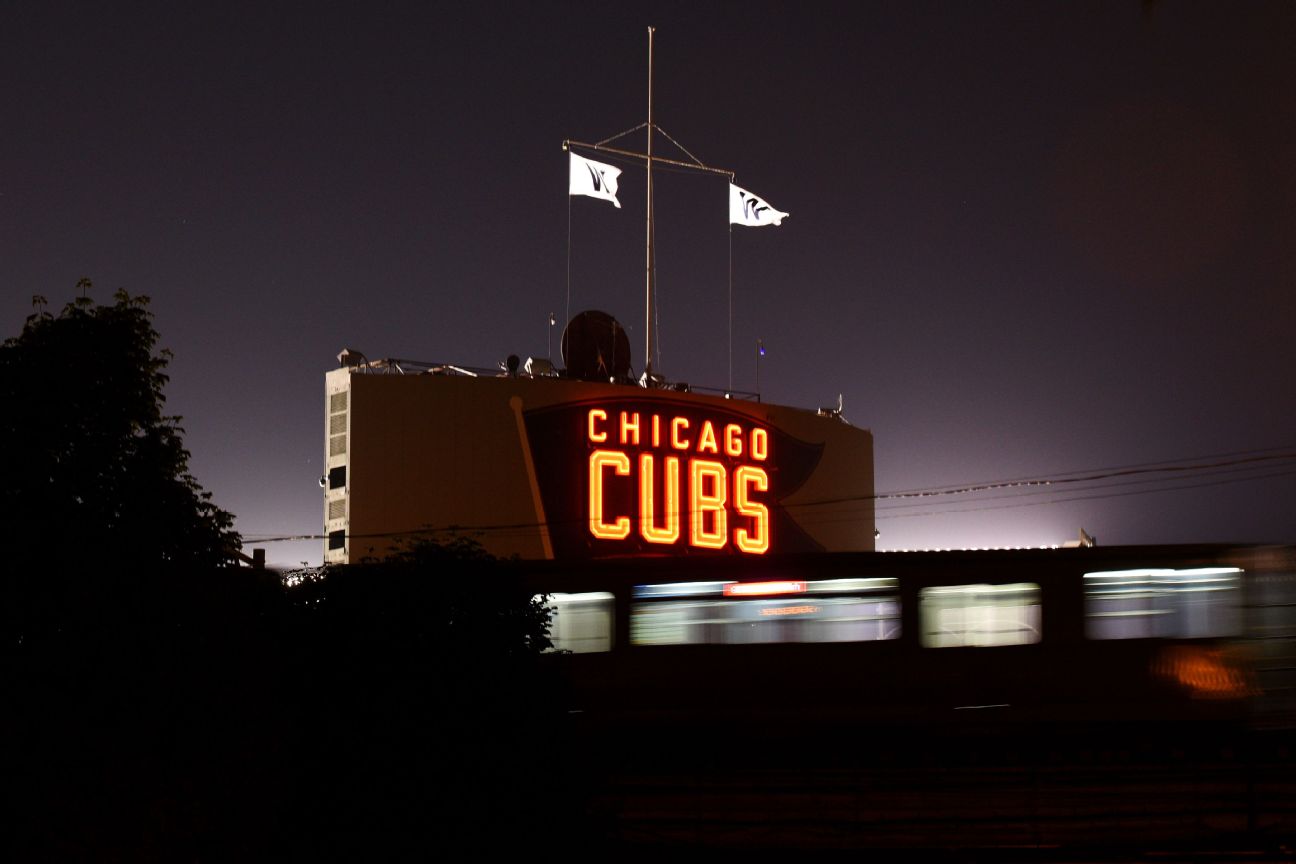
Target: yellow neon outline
(620,463)
(647,524)
(632,427)
(707,441)
(700,504)
(733,439)
(596,437)
(756,542)
(760,444)
(677,424)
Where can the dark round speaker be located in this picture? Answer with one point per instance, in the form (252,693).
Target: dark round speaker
(595,347)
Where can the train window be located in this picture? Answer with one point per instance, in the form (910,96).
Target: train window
(956,616)
(1162,603)
(739,613)
(581,623)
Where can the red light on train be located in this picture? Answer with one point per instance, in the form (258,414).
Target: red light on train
(1207,673)
(764,589)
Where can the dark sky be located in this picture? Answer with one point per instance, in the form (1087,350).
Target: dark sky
(1026,238)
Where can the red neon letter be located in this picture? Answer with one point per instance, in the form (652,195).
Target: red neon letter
(760,445)
(620,464)
(630,428)
(757,540)
(707,443)
(733,439)
(594,434)
(670,532)
(701,503)
(678,425)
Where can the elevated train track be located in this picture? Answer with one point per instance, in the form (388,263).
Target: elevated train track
(1041,725)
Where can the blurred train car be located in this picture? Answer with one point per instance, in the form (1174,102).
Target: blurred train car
(1154,638)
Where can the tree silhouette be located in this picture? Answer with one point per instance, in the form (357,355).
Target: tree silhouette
(96,471)
(160,707)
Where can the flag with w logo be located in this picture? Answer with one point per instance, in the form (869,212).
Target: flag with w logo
(594,179)
(748,209)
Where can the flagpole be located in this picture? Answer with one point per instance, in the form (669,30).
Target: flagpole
(648,262)
(649,158)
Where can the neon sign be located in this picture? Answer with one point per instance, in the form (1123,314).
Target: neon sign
(662,476)
(720,498)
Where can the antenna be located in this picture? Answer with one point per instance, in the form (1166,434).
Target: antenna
(648,264)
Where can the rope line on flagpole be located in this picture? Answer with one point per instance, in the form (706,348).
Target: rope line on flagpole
(630,154)
(700,163)
(627,132)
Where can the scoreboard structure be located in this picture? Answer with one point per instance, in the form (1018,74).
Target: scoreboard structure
(544,467)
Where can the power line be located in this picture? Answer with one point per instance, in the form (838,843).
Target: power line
(1159,463)
(1091,497)
(1177,466)
(1243,462)
(1047,490)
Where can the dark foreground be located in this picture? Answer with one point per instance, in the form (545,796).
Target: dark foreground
(353,779)
(1028,797)
(395,716)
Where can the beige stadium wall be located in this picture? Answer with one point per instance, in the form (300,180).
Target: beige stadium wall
(449,455)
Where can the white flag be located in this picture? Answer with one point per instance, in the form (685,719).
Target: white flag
(748,209)
(594,179)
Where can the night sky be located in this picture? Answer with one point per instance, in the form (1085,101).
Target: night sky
(1025,239)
